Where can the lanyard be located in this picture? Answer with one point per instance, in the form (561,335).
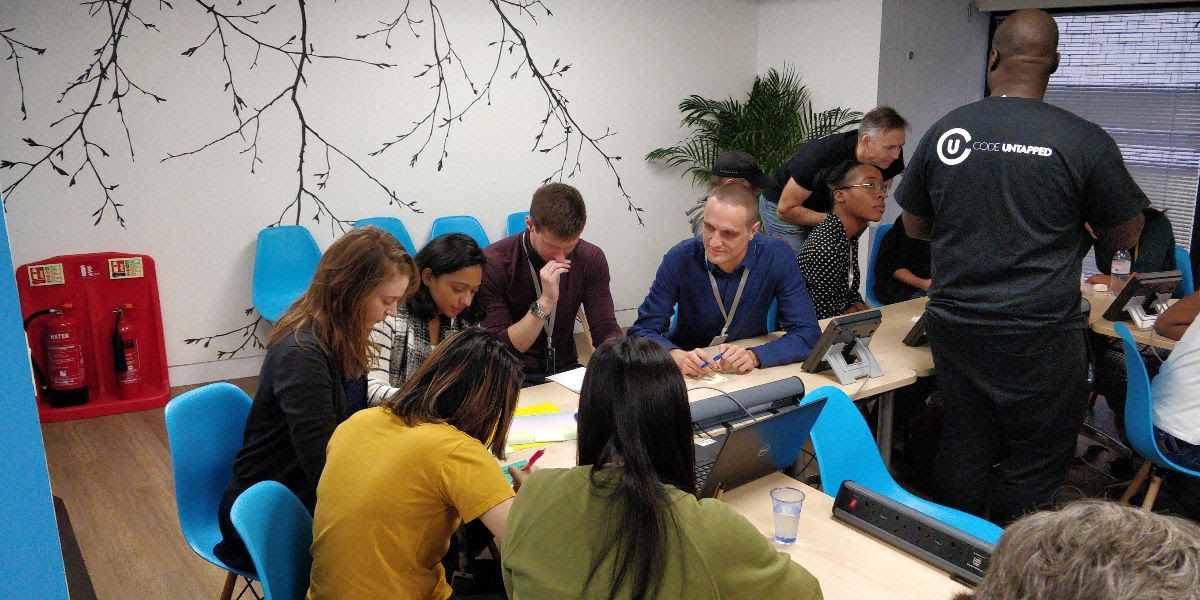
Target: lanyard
(737,297)
(548,326)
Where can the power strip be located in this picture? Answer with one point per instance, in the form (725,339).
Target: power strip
(965,556)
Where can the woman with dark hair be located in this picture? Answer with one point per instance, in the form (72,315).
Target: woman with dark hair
(399,478)
(829,257)
(451,271)
(625,523)
(314,374)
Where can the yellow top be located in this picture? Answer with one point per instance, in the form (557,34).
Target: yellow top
(388,501)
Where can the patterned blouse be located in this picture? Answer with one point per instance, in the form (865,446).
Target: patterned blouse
(830,265)
(404,344)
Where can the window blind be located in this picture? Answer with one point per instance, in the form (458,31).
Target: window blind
(1137,75)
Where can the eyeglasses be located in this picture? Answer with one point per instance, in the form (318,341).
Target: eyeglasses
(874,187)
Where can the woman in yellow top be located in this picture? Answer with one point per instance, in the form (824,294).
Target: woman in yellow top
(399,478)
(626,522)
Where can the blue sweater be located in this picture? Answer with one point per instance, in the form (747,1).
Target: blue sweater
(681,280)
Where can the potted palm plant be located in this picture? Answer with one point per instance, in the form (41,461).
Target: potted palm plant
(774,121)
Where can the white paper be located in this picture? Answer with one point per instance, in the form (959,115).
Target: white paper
(572,380)
(712,379)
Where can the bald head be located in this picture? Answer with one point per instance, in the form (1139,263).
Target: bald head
(1024,50)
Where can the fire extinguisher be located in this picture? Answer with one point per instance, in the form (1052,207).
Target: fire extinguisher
(64,378)
(127,363)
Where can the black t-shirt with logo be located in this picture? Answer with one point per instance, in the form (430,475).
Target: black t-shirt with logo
(828,151)
(1008,184)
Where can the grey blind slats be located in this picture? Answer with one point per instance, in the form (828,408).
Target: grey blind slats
(1137,74)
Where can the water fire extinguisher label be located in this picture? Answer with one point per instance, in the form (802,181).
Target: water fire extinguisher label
(132,362)
(125,268)
(47,274)
(64,356)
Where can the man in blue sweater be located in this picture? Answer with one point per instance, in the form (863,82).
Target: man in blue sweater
(723,283)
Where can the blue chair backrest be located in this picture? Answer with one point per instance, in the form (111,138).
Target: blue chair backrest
(204,432)
(516,223)
(874,253)
(1139,405)
(460,224)
(773,315)
(284,263)
(277,530)
(846,450)
(1183,262)
(393,226)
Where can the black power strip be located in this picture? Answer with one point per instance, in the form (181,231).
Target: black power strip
(965,556)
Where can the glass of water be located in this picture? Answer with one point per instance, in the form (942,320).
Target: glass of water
(787,502)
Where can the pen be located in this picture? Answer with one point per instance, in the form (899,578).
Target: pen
(533,459)
(713,359)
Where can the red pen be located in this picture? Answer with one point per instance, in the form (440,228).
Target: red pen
(533,459)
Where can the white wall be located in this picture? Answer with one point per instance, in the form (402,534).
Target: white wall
(834,45)
(198,216)
(948,41)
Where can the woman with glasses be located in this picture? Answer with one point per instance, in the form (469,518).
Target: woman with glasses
(829,258)
(625,523)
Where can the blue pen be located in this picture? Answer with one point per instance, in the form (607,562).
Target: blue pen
(714,359)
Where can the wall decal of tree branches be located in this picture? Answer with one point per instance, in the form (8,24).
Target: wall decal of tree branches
(105,82)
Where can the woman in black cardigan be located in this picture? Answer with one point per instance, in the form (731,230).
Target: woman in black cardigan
(314,374)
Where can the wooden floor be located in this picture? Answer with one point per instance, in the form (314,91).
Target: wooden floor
(114,475)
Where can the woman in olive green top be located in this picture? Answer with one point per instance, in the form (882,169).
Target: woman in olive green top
(626,522)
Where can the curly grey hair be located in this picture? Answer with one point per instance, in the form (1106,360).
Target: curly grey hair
(1094,550)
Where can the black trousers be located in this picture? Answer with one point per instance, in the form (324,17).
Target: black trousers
(1014,404)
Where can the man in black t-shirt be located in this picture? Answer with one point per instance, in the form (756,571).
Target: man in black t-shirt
(790,210)
(1004,185)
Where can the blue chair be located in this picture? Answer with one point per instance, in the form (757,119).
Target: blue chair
(516,222)
(874,254)
(773,315)
(204,431)
(846,451)
(393,226)
(284,263)
(459,224)
(277,530)
(1139,424)
(1183,262)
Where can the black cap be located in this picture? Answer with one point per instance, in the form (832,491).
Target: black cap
(741,165)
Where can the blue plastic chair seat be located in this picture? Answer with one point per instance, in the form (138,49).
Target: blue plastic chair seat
(204,431)
(846,451)
(516,222)
(465,224)
(1139,406)
(393,226)
(874,254)
(277,530)
(284,263)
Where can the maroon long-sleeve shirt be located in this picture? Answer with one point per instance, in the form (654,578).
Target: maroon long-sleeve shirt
(508,291)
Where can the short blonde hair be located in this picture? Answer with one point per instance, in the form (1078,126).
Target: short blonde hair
(1094,550)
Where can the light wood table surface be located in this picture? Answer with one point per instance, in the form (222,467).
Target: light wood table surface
(850,565)
(1100,302)
(894,376)
(888,342)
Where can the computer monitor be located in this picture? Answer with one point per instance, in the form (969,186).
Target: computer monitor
(843,347)
(918,335)
(1144,296)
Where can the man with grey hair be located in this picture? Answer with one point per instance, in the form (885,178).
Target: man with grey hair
(1094,550)
(789,211)
(723,283)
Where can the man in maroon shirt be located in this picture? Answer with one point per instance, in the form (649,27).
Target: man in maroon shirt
(536,281)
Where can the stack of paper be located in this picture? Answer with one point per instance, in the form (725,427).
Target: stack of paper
(572,380)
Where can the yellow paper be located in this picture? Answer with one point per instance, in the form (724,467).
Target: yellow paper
(519,447)
(544,408)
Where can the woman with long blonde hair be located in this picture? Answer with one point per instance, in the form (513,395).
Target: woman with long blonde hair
(314,374)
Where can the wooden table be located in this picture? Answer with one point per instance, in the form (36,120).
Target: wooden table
(888,342)
(1100,302)
(848,563)
(894,376)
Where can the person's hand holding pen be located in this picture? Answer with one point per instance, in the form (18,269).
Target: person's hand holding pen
(519,475)
(694,363)
(735,359)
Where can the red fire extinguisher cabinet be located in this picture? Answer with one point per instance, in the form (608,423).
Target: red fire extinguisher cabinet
(93,287)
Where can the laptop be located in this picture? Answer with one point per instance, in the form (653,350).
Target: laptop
(728,457)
